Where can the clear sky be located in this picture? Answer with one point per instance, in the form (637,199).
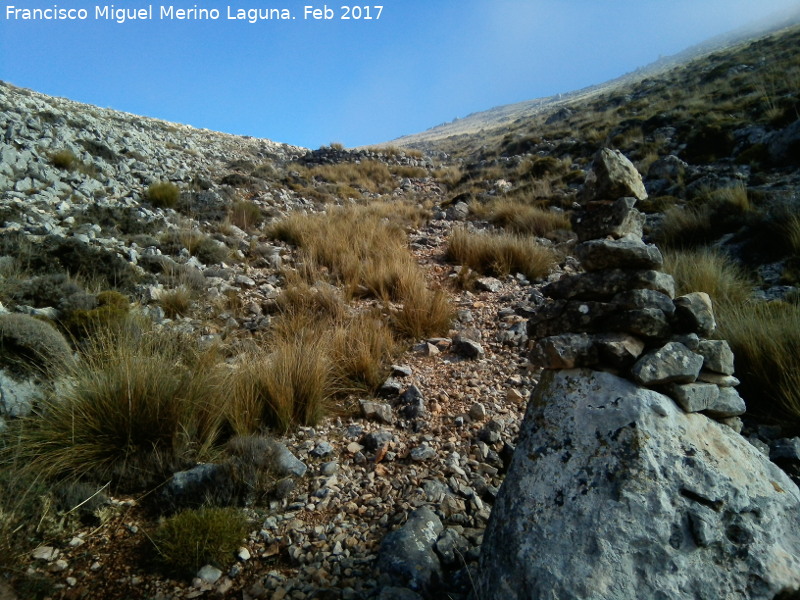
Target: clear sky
(310,82)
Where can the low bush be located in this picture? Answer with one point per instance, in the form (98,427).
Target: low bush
(110,312)
(31,346)
(64,159)
(200,245)
(191,539)
(163,194)
(500,254)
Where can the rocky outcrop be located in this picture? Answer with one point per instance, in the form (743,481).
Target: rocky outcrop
(616,493)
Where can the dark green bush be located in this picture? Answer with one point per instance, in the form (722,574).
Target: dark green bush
(709,144)
(54,290)
(163,194)
(111,311)
(28,345)
(194,538)
(236,180)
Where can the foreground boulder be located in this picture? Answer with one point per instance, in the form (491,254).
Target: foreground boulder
(616,493)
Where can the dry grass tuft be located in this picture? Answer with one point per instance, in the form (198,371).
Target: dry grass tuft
(286,385)
(525,219)
(765,338)
(138,404)
(500,254)
(176,302)
(708,271)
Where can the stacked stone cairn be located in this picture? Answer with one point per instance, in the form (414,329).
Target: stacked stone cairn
(621,314)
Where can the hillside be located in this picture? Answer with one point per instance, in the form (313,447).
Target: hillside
(231,367)
(485,126)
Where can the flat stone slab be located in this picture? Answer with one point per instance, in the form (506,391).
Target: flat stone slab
(625,253)
(604,285)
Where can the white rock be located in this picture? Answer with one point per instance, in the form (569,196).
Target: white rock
(615,493)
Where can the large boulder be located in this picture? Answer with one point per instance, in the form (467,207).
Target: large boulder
(615,493)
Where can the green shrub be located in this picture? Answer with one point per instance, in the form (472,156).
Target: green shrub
(58,255)
(55,290)
(110,312)
(163,194)
(205,248)
(29,346)
(99,150)
(191,539)
(708,144)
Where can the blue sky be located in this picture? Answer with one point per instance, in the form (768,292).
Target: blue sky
(311,82)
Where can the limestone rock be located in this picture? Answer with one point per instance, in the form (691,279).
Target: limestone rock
(17,397)
(458,211)
(613,176)
(466,347)
(377,411)
(618,349)
(407,555)
(727,404)
(784,145)
(625,253)
(717,356)
(695,313)
(574,316)
(565,351)
(718,379)
(615,493)
(672,363)
(616,219)
(412,403)
(646,322)
(694,397)
(489,284)
(645,299)
(287,463)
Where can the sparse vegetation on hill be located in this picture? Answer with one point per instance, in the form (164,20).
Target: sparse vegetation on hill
(285,294)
